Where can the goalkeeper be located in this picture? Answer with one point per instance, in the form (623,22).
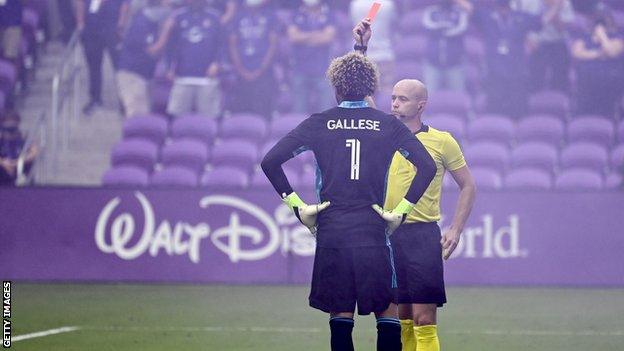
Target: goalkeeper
(353,145)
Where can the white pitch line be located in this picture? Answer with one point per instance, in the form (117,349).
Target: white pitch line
(44,333)
(220,329)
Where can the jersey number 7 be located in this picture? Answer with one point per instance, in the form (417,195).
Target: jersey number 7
(354,145)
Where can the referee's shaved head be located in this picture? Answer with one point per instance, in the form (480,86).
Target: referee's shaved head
(416,88)
(409,97)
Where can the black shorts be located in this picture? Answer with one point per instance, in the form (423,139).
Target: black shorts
(344,277)
(419,266)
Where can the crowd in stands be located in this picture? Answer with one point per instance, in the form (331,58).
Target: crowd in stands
(22,33)
(496,65)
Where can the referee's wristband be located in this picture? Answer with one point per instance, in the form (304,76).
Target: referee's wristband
(360,48)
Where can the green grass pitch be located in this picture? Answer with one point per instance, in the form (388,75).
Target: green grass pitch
(123,317)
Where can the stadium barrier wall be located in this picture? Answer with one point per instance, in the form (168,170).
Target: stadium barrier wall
(250,237)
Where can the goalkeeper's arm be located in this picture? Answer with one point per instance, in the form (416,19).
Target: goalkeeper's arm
(284,150)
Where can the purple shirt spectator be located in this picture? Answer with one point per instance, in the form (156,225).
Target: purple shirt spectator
(197,41)
(308,58)
(253,27)
(446,24)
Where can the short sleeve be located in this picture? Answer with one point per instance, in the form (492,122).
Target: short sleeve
(452,156)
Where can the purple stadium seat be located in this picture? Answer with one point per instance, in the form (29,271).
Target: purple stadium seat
(550,102)
(495,128)
(299,162)
(238,153)
(543,128)
(486,178)
(596,129)
(244,126)
(535,155)
(201,128)
(614,181)
(175,177)
(293,115)
(448,123)
(528,179)
(150,127)
(412,46)
(281,126)
(584,155)
(135,152)
(125,176)
(448,101)
(617,158)
(620,131)
(188,153)
(229,177)
(579,179)
(487,154)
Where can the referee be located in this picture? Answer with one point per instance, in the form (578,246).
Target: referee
(353,145)
(417,244)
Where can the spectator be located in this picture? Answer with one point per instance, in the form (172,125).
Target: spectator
(67,17)
(253,43)
(446,24)
(10,29)
(195,49)
(549,56)
(226,9)
(381,50)
(12,144)
(599,65)
(137,60)
(505,31)
(102,24)
(312,33)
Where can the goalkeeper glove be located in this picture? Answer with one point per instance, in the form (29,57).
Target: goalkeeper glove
(305,213)
(395,217)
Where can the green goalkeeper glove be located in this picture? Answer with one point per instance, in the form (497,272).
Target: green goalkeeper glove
(397,216)
(305,213)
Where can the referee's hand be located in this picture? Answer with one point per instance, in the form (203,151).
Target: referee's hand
(393,219)
(449,241)
(362,32)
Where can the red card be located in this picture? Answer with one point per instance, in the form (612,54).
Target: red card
(373,11)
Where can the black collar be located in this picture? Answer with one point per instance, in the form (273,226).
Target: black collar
(423,128)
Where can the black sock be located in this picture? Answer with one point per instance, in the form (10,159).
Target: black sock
(341,329)
(388,334)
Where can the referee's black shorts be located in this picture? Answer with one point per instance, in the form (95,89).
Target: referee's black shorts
(418,262)
(344,277)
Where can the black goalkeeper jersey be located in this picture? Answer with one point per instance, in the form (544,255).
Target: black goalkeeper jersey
(353,146)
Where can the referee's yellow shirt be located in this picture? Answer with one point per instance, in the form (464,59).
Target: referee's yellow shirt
(447,155)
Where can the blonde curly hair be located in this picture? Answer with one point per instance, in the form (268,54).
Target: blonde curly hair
(353,76)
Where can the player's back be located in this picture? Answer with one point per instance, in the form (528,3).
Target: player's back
(353,148)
